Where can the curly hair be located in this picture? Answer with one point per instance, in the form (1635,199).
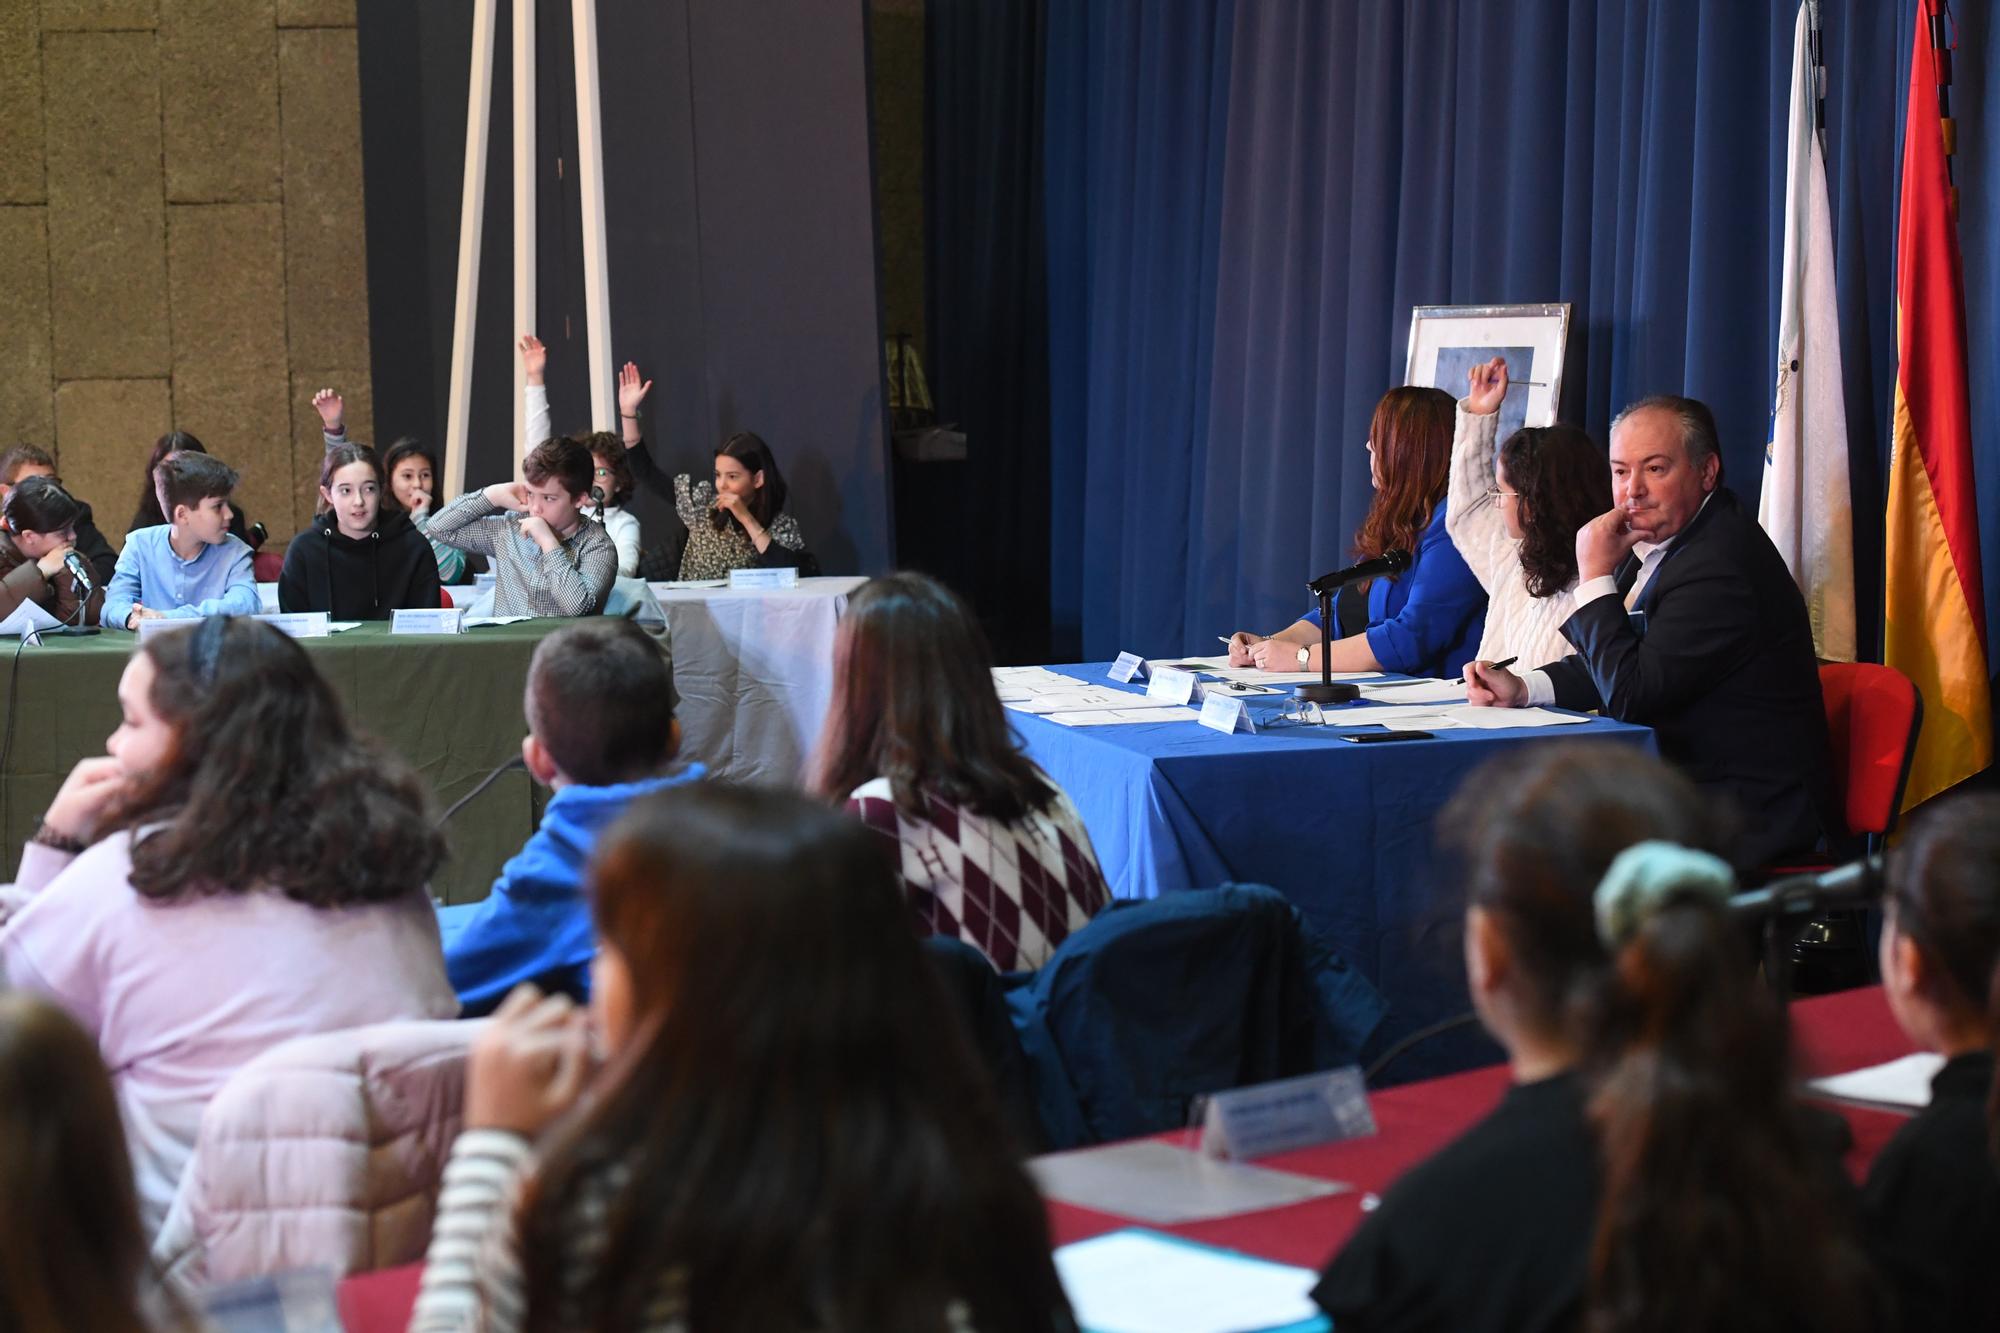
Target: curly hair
(1411,435)
(603,444)
(1562,480)
(265,785)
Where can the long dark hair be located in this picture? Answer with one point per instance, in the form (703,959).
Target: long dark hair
(794,1129)
(72,1254)
(1944,892)
(1411,432)
(346,455)
(768,500)
(40,504)
(1563,482)
(149,514)
(914,702)
(409,446)
(265,785)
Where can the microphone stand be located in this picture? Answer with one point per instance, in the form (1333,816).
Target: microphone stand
(1326,690)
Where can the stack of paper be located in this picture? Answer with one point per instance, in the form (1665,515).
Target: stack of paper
(27,619)
(1106,717)
(1145,1282)
(1415,691)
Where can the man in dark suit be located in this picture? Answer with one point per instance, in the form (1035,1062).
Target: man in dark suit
(1688,622)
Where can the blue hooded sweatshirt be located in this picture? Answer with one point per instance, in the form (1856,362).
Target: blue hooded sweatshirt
(535,924)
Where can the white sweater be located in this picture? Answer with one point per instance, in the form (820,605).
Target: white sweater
(1517,624)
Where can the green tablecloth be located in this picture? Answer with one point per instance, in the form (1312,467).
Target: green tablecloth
(449,704)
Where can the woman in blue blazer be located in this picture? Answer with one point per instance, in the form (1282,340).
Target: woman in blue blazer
(1423,622)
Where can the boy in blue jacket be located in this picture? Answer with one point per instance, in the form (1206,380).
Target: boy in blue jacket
(601,733)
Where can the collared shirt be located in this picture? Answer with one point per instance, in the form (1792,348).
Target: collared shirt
(217,582)
(574,579)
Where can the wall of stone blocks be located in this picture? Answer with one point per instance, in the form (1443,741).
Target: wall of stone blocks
(181,239)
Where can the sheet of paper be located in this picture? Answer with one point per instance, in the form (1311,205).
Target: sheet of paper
(1082,698)
(1107,717)
(1190,663)
(1415,691)
(1419,717)
(1142,1282)
(1258,677)
(1904,1083)
(1157,1181)
(1510,719)
(474,622)
(336,626)
(692,583)
(27,618)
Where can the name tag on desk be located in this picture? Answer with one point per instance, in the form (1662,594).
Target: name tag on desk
(427,620)
(740,579)
(1266,1118)
(301,624)
(1225,713)
(1127,668)
(1172,684)
(162,625)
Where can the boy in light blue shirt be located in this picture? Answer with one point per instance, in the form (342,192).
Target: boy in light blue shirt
(189,567)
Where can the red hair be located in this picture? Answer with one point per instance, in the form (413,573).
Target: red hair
(1411,432)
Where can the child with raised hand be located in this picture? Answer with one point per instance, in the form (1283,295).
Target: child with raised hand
(787,1131)
(37,535)
(191,567)
(611,482)
(359,560)
(548,559)
(601,734)
(239,869)
(1933,1196)
(410,469)
(72,1254)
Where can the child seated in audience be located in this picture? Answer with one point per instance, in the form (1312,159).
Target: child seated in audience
(1649,1170)
(240,869)
(1933,1197)
(787,1131)
(191,567)
(37,532)
(360,560)
(917,744)
(601,733)
(611,478)
(72,1255)
(412,471)
(149,514)
(548,559)
(24,461)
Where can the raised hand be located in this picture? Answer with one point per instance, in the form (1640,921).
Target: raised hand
(1603,542)
(534,358)
(1486,386)
(631,392)
(332,411)
(530,1064)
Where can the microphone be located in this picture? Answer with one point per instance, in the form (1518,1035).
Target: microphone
(1855,884)
(597,497)
(80,571)
(1389,562)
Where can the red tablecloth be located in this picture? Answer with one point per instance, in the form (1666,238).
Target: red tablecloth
(1834,1033)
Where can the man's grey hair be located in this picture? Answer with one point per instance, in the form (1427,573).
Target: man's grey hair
(1697,424)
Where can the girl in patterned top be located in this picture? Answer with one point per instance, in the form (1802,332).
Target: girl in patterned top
(786,1134)
(739,520)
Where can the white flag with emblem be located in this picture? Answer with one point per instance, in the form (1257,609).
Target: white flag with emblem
(1805,505)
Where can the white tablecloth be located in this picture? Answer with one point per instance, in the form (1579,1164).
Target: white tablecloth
(755,674)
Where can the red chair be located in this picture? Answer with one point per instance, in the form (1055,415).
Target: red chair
(266,566)
(444,598)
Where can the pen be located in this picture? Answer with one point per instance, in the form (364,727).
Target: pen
(1503,665)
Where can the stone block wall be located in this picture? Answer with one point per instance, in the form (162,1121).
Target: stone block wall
(181,239)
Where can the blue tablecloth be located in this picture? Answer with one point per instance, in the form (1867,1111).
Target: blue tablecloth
(1345,831)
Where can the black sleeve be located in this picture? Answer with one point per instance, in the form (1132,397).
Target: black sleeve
(1573,685)
(646,472)
(784,557)
(90,544)
(424,589)
(292,594)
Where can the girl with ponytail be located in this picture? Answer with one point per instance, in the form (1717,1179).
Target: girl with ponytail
(1933,1197)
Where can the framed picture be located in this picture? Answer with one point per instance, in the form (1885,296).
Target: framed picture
(1448,340)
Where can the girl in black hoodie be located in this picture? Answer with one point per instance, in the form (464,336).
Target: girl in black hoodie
(358,561)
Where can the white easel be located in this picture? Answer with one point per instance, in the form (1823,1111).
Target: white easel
(472,218)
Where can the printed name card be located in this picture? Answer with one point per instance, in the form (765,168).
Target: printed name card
(1266,1118)
(162,625)
(1172,684)
(1128,667)
(740,579)
(427,620)
(1225,712)
(301,624)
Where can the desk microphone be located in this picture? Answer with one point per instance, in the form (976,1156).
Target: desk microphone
(1856,884)
(1389,562)
(80,571)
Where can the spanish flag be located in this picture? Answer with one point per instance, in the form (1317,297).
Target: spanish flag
(1934,606)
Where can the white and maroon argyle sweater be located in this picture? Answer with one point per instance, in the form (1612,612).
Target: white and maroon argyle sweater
(1012,891)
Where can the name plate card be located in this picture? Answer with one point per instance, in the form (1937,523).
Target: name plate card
(1247,1123)
(1127,668)
(162,625)
(1225,713)
(427,620)
(1172,684)
(301,624)
(740,579)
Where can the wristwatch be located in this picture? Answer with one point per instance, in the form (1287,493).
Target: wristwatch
(1305,655)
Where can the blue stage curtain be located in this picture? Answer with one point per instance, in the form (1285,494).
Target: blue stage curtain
(1246,199)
